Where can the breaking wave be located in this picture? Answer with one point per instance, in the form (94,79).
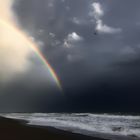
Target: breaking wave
(85,123)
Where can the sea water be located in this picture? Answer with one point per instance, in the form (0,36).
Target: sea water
(85,123)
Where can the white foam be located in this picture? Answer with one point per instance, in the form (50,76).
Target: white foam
(85,123)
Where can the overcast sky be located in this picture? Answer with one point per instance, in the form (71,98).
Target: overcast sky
(94,47)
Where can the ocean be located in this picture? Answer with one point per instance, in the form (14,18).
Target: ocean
(101,125)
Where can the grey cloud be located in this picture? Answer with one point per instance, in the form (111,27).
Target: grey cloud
(110,58)
(72,40)
(97,12)
(97,52)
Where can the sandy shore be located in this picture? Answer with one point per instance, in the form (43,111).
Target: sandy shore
(18,130)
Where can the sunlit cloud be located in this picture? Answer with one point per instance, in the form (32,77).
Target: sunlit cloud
(98,12)
(14,51)
(71,39)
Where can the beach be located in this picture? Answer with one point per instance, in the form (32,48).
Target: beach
(11,129)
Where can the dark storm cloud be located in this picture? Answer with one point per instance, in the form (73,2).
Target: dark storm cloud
(101,70)
(27,95)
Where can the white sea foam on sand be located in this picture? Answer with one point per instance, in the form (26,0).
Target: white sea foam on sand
(102,125)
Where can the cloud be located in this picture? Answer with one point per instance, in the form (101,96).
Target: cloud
(98,13)
(14,50)
(72,39)
(97,10)
(79,21)
(76,20)
(52,35)
(74,58)
(103,28)
(5,10)
(51,3)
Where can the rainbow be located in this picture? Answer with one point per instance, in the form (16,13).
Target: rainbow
(34,48)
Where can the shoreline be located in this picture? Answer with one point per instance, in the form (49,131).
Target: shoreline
(12,129)
(18,129)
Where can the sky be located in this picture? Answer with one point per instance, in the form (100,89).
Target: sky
(93,46)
